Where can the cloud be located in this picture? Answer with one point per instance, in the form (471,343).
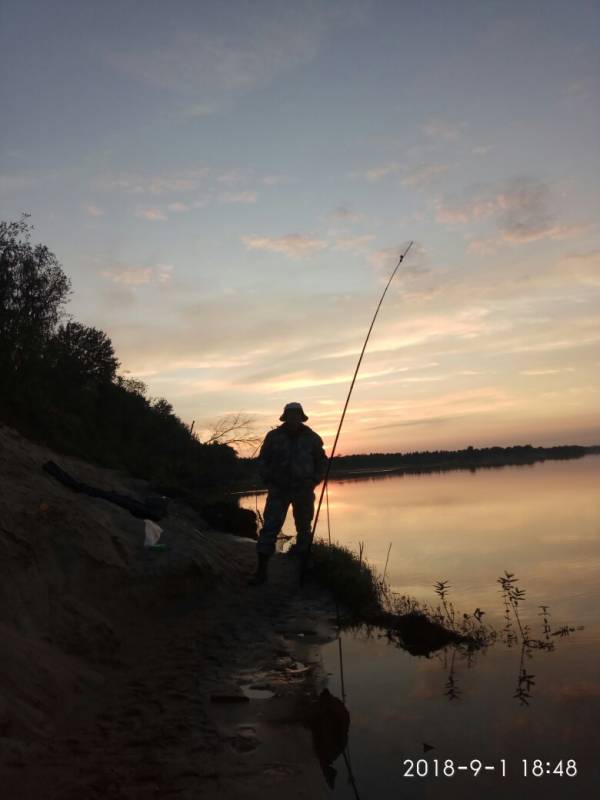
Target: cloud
(276,180)
(439,129)
(200,110)
(384,260)
(524,213)
(292,245)
(191,61)
(546,371)
(521,233)
(424,174)
(470,322)
(16,183)
(139,276)
(405,346)
(231,177)
(581,267)
(132,276)
(151,214)
(554,344)
(482,247)
(455,212)
(202,201)
(464,325)
(164,273)
(576,89)
(521,210)
(382,171)
(14,153)
(354,244)
(94,211)
(453,405)
(118,296)
(231,53)
(168,182)
(178,208)
(304,379)
(346,215)
(243,198)
(201,331)
(206,186)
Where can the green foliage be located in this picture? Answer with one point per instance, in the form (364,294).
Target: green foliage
(80,353)
(33,291)
(59,381)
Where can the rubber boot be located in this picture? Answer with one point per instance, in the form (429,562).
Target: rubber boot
(260,576)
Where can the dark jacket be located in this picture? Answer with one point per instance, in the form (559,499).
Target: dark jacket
(292,461)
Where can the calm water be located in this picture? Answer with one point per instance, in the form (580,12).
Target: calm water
(540,522)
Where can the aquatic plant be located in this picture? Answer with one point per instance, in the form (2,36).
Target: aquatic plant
(512,595)
(524,680)
(422,628)
(441,589)
(451,688)
(367,599)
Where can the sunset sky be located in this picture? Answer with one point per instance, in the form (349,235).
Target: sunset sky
(228,185)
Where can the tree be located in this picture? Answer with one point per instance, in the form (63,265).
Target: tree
(132,385)
(162,407)
(234,429)
(83,353)
(33,291)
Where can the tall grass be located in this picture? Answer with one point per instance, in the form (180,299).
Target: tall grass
(366,598)
(350,579)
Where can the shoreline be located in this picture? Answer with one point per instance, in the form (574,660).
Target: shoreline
(113,656)
(415,469)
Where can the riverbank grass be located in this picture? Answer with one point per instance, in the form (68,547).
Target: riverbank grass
(366,599)
(350,579)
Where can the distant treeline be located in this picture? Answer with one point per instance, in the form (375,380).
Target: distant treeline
(367,464)
(59,381)
(449,459)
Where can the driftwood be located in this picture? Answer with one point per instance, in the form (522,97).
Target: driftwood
(154,508)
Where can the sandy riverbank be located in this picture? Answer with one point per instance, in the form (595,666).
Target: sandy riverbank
(111,655)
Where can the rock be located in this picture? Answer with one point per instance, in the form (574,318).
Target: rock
(230,518)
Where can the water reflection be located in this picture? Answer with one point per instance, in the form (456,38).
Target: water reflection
(533,692)
(329,723)
(542,521)
(478,723)
(422,630)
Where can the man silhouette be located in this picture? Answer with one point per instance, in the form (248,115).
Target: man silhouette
(292,462)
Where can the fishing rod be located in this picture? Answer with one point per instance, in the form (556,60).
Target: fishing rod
(337,435)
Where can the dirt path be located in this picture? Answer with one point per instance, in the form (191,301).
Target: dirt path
(154,730)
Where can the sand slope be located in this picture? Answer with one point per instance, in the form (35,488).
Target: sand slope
(109,653)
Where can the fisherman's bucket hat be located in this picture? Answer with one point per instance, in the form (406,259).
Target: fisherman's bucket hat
(293,407)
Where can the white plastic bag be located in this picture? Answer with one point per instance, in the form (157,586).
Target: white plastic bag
(153,532)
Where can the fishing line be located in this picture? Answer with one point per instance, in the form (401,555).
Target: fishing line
(346,751)
(328,522)
(325,492)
